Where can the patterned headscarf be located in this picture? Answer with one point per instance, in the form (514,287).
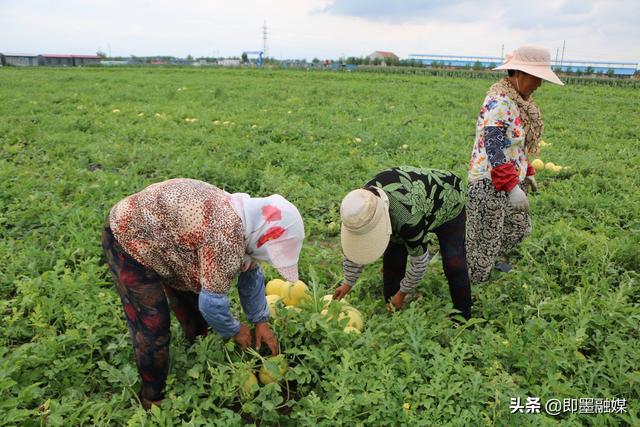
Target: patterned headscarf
(273,231)
(529,113)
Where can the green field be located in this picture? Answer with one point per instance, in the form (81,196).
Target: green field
(565,324)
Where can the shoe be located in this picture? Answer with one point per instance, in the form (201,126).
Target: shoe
(146,403)
(503,266)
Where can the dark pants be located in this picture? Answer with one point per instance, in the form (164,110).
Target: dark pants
(144,299)
(451,237)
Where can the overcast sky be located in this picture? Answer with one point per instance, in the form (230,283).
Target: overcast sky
(593,30)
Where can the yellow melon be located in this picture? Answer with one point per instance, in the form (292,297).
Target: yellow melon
(329,297)
(296,293)
(272,300)
(353,315)
(538,165)
(273,369)
(275,287)
(246,388)
(355,318)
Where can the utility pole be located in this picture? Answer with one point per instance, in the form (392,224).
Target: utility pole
(502,53)
(264,39)
(562,58)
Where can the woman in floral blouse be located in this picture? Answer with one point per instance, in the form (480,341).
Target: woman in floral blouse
(184,241)
(508,128)
(391,217)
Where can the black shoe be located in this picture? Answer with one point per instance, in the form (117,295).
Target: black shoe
(503,266)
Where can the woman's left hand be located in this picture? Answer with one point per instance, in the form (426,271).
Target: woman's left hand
(531,183)
(264,334)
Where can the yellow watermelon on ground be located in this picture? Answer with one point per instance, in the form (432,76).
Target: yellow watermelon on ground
(247,389)
(329,297)
(272,300)
(275,287)
(355,318)
(538,165)
(296,293)
(273,369)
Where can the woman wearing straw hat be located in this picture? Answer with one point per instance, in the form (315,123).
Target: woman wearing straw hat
(185,240)
(391,217)
(508,128)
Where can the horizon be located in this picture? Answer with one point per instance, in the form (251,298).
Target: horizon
(566,61)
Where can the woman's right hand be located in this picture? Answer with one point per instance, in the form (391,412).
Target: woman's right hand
(265,336)
(243,337)
(341,292)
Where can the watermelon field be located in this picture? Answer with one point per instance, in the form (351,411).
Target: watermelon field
(563,324)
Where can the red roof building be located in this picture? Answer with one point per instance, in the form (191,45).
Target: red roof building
(382,55)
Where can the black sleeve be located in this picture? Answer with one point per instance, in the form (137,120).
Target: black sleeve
(494,142)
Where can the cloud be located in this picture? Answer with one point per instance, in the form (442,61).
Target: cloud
(396,12)
(575,19)
(526,14)
(593,29)
(573,7)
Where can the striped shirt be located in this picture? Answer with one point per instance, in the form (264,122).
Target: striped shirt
(418,267)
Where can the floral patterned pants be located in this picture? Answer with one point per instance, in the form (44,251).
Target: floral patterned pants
(144,299)
(494,228)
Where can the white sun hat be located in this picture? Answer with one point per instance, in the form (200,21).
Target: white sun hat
(534,60)
(366,226)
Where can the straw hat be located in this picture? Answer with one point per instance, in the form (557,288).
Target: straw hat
(532,60)
(366,226)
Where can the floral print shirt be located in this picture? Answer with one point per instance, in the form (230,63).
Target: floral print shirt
(420,200)
(185,230)
(500,139)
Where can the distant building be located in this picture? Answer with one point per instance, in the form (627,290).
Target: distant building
(68,60)
(82,60)
(294,63)
(385,57)
(55,60)
(112,63)
(620,69)
(229,62)
(18,59)
(458,60)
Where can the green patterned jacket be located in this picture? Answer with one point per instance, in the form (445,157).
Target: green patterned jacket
(420,200)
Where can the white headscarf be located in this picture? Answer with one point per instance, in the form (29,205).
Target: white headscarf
(273,231)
